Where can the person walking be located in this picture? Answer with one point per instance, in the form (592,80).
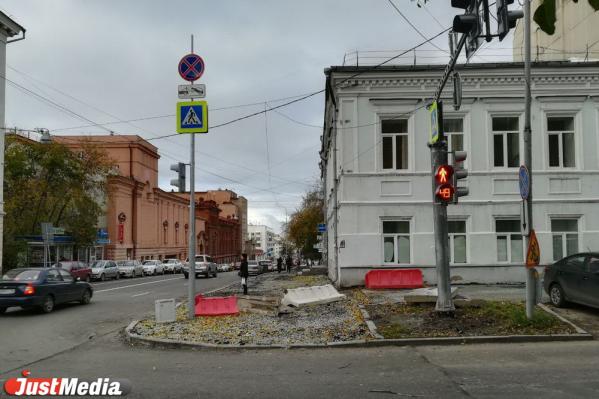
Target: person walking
(279,264)
(244,273)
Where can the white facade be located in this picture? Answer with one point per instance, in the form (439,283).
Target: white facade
(8,29)
(376,168)
(264,238)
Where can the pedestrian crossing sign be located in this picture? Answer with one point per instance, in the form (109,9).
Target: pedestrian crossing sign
(192,117)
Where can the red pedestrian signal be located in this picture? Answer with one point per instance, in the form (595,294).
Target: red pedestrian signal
(444,188)
(444,174)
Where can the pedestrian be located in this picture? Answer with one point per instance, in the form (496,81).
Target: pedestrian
(279,264)
(244,273)
(288,262)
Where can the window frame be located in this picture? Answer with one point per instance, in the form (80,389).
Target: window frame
(560,141)
(380,140)
(564,238)
(508,237)
(504,141)
(396,261)
(451,237)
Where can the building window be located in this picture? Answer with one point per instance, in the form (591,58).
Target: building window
(510,247)
(454,131)
(565,237)
(395,143)
(560,131)
(457,241)
(506,145)
(396,241)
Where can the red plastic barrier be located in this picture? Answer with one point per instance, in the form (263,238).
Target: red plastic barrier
(215,306)
(394,278)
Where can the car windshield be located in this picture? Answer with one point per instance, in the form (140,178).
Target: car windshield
(200,259)
(252,263)
(66,265)
(98,264)
(150,262)
(21,275)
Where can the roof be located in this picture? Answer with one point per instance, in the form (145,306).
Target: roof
(121,140)
(9,25)
(461,67)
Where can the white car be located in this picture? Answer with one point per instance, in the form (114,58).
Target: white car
(204,266)
(172,266)
(130,268)
(153,267)
(224,267)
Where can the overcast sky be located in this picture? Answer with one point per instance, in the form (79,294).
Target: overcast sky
(111,60)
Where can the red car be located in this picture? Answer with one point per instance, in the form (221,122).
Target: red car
(77,269)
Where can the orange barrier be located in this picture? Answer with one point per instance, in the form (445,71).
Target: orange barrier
(215,306)
(394,278)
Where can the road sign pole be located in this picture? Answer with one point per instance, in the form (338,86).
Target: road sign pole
(192,227)
(530,272)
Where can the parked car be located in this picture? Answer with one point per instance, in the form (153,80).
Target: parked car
(264,266)
(253,268)
(130,268)
(153,267)
(77,269)
(224,267)
(236,265)
(41,287)
(103,269)
(204,266)
(172,266)
(574,278)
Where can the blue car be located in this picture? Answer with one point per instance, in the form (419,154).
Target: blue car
(43,288)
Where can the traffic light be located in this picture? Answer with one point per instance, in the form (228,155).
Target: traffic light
(459,173)
(469,23)
(506,19)
(179,182)
(444,188)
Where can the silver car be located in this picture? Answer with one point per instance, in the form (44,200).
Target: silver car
(254,268)
(205,266)
(153,267)
(130,268)
(103,269)
(172,266)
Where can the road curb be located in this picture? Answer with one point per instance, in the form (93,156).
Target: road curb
(176,344)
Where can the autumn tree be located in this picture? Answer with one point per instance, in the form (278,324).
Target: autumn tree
(302,227)
(51,183)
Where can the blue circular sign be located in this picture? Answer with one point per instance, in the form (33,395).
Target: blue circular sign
(524,182)
(191,67)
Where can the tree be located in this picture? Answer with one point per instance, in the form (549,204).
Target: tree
(51,183)
(302,227)
(544,15)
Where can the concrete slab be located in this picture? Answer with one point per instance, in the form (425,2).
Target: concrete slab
(425,295)
(311,295)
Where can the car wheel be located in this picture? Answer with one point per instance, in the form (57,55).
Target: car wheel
(215,273)
(102,277)
(48,304)
(118,276)
(186,275)
(86,297)
(88,279)
(2,310)
(556,295)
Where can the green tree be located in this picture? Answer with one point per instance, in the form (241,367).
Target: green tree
(51,183)
(302,227)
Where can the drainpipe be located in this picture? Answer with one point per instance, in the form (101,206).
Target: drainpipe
(133,205)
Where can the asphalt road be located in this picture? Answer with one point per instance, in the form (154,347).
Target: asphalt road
(28,336)
(86,342)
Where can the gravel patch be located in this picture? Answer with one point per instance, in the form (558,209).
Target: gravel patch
(317,324)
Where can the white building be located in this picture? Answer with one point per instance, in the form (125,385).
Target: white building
(376,168)
(263,238)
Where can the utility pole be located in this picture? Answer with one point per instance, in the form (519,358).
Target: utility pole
(530,272)
(192,226)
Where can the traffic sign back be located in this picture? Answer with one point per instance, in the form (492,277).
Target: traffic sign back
(191,67)
(192,117)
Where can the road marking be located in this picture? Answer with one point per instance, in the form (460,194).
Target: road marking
(136,285)
(143,293)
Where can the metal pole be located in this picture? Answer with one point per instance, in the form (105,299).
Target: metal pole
(444,300)
(530,276)
(192,227)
